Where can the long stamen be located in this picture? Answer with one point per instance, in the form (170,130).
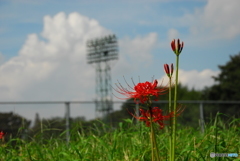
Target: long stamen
(127,83)
(133,82)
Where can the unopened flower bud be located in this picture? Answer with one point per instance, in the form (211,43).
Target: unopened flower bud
(177,46)
(167,71)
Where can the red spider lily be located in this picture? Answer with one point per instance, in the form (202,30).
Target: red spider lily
(168,72)
(142,91)
(157,116)
(177,46)
(2,134)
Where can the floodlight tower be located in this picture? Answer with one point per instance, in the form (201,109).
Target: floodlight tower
(101,52)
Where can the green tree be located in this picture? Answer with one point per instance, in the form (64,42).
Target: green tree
(14,125)
(55,127)
(45,129)
(227,87)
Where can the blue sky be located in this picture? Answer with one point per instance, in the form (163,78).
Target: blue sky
(43,53)
(124,18)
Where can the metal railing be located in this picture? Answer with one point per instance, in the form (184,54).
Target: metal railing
(68,104)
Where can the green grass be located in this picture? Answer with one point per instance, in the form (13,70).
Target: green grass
(128,142)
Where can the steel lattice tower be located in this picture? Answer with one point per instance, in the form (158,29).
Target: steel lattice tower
(101,52)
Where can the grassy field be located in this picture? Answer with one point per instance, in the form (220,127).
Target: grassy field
(128,142)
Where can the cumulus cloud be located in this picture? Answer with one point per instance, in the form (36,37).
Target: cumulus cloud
(217,19)
(135,52)
(52,66)
(195,79)
(47,66)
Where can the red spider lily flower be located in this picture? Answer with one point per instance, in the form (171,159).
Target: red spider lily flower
(157,116)
(167,71)
(2,134)
(142,91)
(177,46)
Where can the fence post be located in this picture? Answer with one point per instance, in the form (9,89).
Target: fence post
(137,110)
(67,104)
(201,117)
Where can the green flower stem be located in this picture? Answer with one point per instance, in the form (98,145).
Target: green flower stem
(151,138)
(152,133)
(155,146)
(155,156)
(170,95)
(170,121)
(175,110)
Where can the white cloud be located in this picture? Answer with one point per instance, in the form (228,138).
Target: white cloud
(194,79)
(53,66)
(218,19)
(135,52)
(57,64)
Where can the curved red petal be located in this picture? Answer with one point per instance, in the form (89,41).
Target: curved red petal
(173,45)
